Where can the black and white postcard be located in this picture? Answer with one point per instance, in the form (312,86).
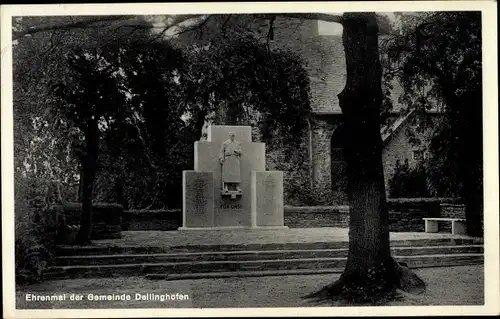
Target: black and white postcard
(250,159)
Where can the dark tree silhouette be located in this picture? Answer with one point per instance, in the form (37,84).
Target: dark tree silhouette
(371,274)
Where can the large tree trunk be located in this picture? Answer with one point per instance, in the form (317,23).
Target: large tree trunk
(371,274)
(89,168)
(199,123)
(119,191)
(234,113)
(80,182)
(465,113)
(471,162)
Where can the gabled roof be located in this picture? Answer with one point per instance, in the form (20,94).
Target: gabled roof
(388,130)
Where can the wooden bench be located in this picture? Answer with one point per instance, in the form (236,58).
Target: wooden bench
(457,225)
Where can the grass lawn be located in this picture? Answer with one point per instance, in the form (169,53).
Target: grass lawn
(461,285)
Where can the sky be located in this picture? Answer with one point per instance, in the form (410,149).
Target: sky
(332,28)
(329,28)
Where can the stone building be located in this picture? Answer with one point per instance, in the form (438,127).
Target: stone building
(324,60)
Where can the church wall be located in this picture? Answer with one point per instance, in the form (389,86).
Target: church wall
(294,162)
(322,129)
(324,59)
(398,147)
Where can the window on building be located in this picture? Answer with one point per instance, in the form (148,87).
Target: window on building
(418,155)
(427,155)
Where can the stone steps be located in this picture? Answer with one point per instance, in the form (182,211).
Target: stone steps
(133,258)
(204,269)
(107,250)
(462,260)
(214,261)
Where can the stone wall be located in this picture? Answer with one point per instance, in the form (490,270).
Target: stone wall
(294,162)
(106,220)
(397,147)
(317,216)
(322,131)
(323,56)
(405,215)
(452,210)
(152,219)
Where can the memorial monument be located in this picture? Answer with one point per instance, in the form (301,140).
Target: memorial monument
(230,159)
(229,186)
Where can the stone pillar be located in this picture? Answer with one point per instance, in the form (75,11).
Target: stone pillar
(198,199)
(267,198)
(322,130)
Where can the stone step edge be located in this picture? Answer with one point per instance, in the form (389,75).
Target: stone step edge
(251,252)
(56,274)
(266,273)
(270,246)
(245,273)
(140,265)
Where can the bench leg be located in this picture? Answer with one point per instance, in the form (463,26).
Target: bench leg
(431,226)
(457,228)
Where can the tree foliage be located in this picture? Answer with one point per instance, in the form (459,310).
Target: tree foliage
(410,182)
(238,80)
(146,151)
(146,99)
(437,58)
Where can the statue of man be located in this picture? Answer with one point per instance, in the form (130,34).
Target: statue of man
(230,156)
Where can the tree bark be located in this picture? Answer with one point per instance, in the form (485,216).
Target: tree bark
(471,162)
(371,274)
(80,182)
(119,191)
(200,118)
(89,168)
(466,112)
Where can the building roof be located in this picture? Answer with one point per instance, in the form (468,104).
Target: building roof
(387,130)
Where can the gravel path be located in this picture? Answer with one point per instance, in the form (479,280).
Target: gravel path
(461,285)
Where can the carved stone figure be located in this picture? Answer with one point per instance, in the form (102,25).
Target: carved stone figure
(230,157)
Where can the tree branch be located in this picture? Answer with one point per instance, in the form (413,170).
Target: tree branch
(197,26)
(270,32)
(225,23)
(304,16)
(64,26)
(177,20)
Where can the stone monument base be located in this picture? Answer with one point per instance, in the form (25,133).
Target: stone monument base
(234,227)
(254,203)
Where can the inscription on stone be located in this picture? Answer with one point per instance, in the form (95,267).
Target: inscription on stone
(231,206)
(270,181)
(198,203)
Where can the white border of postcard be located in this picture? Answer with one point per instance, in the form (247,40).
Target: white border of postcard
(490,128)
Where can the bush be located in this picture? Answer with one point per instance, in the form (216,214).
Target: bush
(106,221)
(292,159)
(35,231)
(409,182)
(298,192)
